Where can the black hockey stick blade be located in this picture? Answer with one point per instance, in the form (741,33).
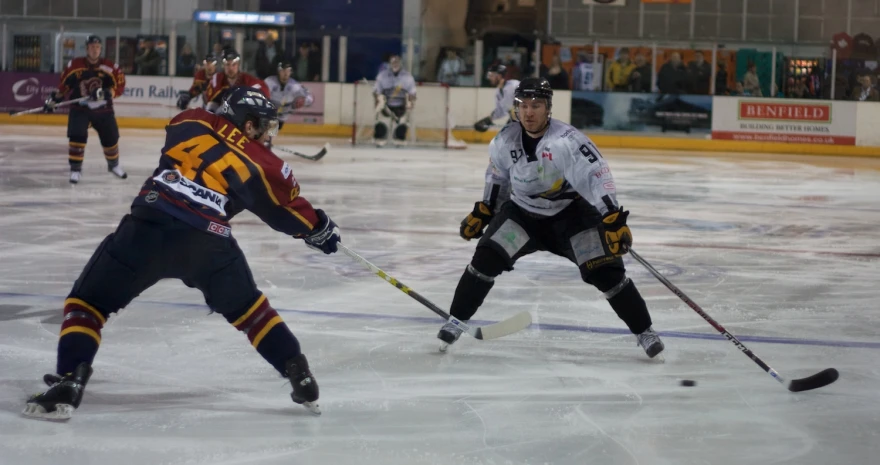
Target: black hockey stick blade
(820,379)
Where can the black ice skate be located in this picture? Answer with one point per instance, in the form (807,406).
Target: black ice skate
(449,333)
(62,397)
(650,341)
(305,387)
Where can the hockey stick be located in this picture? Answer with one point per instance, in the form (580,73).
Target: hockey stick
(820,379)
(314,157)
(41,109)
(506,327)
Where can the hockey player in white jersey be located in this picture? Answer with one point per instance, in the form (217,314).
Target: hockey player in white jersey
(549,189)
(503,112)
(287,94)
(395,94)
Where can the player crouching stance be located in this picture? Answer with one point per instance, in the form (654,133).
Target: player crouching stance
(395,92)
(211,168)
(548,189)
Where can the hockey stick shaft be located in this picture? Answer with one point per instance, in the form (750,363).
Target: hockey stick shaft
(511,325)
(693,305)
(314,157)
(41,109)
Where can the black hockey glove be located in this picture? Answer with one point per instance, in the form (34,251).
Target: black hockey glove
(483,124)
(472,226)
(49,104)
(183,99)
(325,236)
(618,237)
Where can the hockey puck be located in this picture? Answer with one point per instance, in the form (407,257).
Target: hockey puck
(688,382)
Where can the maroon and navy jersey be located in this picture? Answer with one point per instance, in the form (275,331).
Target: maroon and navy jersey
(209,172)
(200,82)
(80,77)
(219,84)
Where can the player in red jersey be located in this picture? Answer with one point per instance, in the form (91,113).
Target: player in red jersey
(211,168)
(200,82)
(102,80)
(230,77)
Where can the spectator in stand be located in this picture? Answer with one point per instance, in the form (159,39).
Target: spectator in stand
(513,69)
(617,76)
(582,73)
(640,79)
(148,61)
(555,74)
(797,88)
(750,81)
(451,68)
(721,79)
(866,91)
(186,62)
(269,55)
(307,64)
(699,74)
(740,90)
(672,78)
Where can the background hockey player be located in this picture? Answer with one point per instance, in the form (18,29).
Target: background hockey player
(200,82)
(102,81)
(286,93)
(231,76)
(211,168)
(395,93)
(549,189)
(504,111)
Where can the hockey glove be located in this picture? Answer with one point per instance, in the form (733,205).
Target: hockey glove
(325,236)
(618,237)
(183,98)
(472,226)
(49,104)
(96,94)
(483,124)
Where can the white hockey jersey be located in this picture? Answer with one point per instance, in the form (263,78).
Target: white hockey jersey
(395,88)
(504,100)
(566,165)
(284,96)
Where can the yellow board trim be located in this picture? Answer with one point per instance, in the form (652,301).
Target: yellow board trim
(81,329)
(250,310)
(276,320)
(626,141)
(88,307)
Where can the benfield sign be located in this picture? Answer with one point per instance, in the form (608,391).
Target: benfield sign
(786,121)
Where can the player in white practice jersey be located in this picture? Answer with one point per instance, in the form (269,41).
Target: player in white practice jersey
(503,98)
(549,189)
(287,94)
(395,94)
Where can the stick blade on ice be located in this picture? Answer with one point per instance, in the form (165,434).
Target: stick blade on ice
(820,379)
(514,324)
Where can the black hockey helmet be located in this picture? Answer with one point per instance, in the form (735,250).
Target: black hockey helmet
(211,58)
(245,104)
(93,39)
(497,68)
(284,64)
(231,56)
(534,87)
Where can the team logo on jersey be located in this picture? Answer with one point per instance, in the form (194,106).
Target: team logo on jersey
(547,155)
(170,177)
(152,196)
(285,171)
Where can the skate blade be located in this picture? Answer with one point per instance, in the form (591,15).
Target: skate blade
(312,407)
(443,347)
(62,412)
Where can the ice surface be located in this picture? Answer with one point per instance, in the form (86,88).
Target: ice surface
(783,251)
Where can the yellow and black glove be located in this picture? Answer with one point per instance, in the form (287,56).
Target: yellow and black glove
(472,226)
(618,237)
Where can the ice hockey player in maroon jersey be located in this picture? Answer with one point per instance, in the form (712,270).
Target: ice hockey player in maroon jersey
(200,82)
(211,168)
(230,77)
(102,80)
